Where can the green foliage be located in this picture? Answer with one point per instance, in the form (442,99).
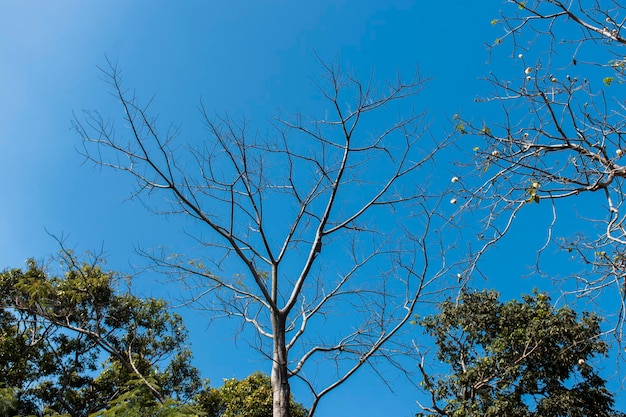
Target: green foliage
(138,401)
(8,402)
(249,397)
(515,359)
(73,345)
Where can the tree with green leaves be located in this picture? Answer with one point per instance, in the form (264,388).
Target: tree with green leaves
(249,397)
(516,359)
(75,345)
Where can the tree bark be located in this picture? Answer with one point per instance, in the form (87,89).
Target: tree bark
(280,374)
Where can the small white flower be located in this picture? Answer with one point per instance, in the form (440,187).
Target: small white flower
(528,70)
(454,179)
(528,78)
(520,56)
(581,361)
(553,79)
(495,153)
(619,153)
(453,201)
(525,135)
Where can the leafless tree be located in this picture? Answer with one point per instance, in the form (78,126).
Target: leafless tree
(334,223)
(555,136)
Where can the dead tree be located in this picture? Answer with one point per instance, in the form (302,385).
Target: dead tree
(333,223)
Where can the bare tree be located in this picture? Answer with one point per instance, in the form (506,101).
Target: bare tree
(558,137)
(332,222)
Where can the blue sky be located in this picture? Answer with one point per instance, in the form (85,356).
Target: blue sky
(247,58)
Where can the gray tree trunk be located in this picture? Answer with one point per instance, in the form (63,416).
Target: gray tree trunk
(280,374)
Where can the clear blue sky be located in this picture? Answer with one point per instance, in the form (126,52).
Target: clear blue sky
(248,58)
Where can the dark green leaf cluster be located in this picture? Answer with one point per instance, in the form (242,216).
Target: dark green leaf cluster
(72,345)
(519,359)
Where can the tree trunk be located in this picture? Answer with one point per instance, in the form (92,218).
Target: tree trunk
(280,382)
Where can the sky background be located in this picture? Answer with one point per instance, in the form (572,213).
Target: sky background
(247,58)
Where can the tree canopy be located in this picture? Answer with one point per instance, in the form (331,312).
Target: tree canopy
(74,344)
(249,397)
(516,358)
